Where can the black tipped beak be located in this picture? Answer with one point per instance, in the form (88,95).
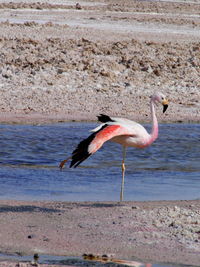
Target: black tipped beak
(165,108)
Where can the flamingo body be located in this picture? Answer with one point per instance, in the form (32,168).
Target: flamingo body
(123,131)
(132,133)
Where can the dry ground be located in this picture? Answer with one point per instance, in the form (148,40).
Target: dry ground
(60,63)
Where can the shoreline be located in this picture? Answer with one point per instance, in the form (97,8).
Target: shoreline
(52,72)
(155,231)
(35,119)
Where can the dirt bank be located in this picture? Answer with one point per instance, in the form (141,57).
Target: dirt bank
(60,63)
(165,231)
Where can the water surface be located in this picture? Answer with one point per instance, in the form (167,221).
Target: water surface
(78,261)
(30,155)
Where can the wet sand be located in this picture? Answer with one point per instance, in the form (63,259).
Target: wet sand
(62,62)
(163,231)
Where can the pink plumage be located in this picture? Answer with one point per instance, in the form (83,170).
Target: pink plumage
(120,130)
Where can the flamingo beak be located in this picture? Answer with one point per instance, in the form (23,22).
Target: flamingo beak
(165,105)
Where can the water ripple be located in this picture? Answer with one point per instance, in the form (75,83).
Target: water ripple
(30,155)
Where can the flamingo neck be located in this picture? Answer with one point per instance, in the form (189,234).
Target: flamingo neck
(154,131)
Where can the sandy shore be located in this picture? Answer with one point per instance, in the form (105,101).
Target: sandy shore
(62,63)
(164,231)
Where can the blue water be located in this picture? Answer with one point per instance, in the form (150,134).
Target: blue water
(30,155)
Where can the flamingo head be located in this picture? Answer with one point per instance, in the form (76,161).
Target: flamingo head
(160,98)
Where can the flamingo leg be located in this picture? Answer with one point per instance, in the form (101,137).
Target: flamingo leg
(123,174)
(61,166)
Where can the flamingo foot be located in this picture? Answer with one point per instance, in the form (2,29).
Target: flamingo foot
(62,164)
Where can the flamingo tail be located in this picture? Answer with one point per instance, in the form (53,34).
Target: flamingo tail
(104,118)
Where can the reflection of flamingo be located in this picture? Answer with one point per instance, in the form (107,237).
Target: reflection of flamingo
(119,130)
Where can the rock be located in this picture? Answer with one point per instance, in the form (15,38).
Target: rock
(7,74)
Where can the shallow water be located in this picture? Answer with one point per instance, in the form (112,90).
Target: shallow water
(30,155)
(78,261)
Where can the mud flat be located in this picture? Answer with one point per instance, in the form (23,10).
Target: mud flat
(164,231)
(63,62)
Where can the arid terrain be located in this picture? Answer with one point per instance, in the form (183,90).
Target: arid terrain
(62,61)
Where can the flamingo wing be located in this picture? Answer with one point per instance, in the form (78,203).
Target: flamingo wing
(91,144)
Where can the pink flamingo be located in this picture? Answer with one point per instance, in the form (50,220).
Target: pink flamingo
(119,130)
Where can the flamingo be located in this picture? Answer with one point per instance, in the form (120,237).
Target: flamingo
(120,130)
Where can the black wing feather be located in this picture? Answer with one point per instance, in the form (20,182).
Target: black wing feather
(81,152)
